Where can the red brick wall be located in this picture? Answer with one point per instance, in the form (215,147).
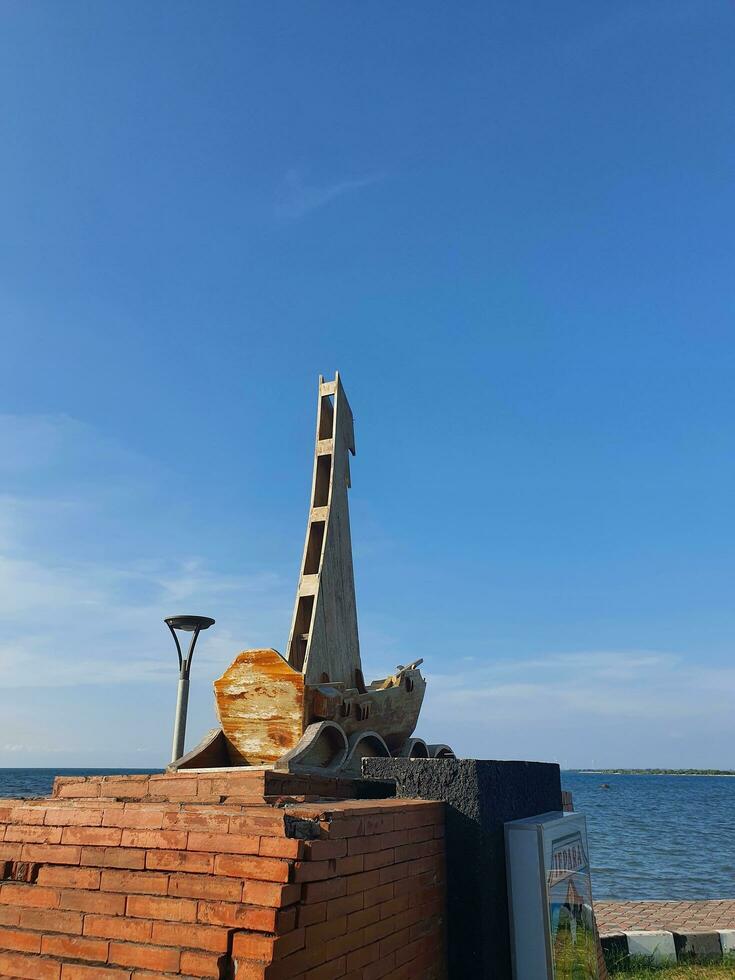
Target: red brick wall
(105,886)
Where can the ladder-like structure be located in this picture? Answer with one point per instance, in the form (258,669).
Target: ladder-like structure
(323,643)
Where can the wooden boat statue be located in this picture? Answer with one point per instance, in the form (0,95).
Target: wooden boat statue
(312,711)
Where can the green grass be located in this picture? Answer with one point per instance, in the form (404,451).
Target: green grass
(640,968)
(681,972)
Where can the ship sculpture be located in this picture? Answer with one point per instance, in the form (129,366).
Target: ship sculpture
(312,711)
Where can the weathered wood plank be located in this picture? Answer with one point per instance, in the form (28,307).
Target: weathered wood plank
(260,705)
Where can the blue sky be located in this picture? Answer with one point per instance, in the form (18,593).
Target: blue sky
(508,225)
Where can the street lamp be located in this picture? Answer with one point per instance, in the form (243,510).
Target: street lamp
(187,624)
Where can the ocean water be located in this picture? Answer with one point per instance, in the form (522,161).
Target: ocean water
(39,782)
(651,837)
(658,837)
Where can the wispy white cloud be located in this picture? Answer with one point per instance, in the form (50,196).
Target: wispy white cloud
(87,667)
(94,623)
(295,199)
(612,707)
(71,620)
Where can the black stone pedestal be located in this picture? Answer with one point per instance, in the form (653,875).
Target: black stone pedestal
(480,796)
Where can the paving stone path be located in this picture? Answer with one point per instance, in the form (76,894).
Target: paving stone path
(672,916)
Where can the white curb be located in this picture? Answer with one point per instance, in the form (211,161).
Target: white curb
(658,945)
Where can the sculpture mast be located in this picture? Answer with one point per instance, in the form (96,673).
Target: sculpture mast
(323,643)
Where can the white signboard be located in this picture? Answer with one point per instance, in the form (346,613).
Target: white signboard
(550,897)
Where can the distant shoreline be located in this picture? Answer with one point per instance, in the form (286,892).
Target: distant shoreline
(653,772)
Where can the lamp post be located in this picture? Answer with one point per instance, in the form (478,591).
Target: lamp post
(187,624)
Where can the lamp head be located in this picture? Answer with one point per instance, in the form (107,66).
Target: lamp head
(189,623)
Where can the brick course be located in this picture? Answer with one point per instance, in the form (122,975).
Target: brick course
(208,874)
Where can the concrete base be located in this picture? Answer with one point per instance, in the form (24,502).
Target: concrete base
(665,946)
(480,796)
(698,946)
(658,945)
